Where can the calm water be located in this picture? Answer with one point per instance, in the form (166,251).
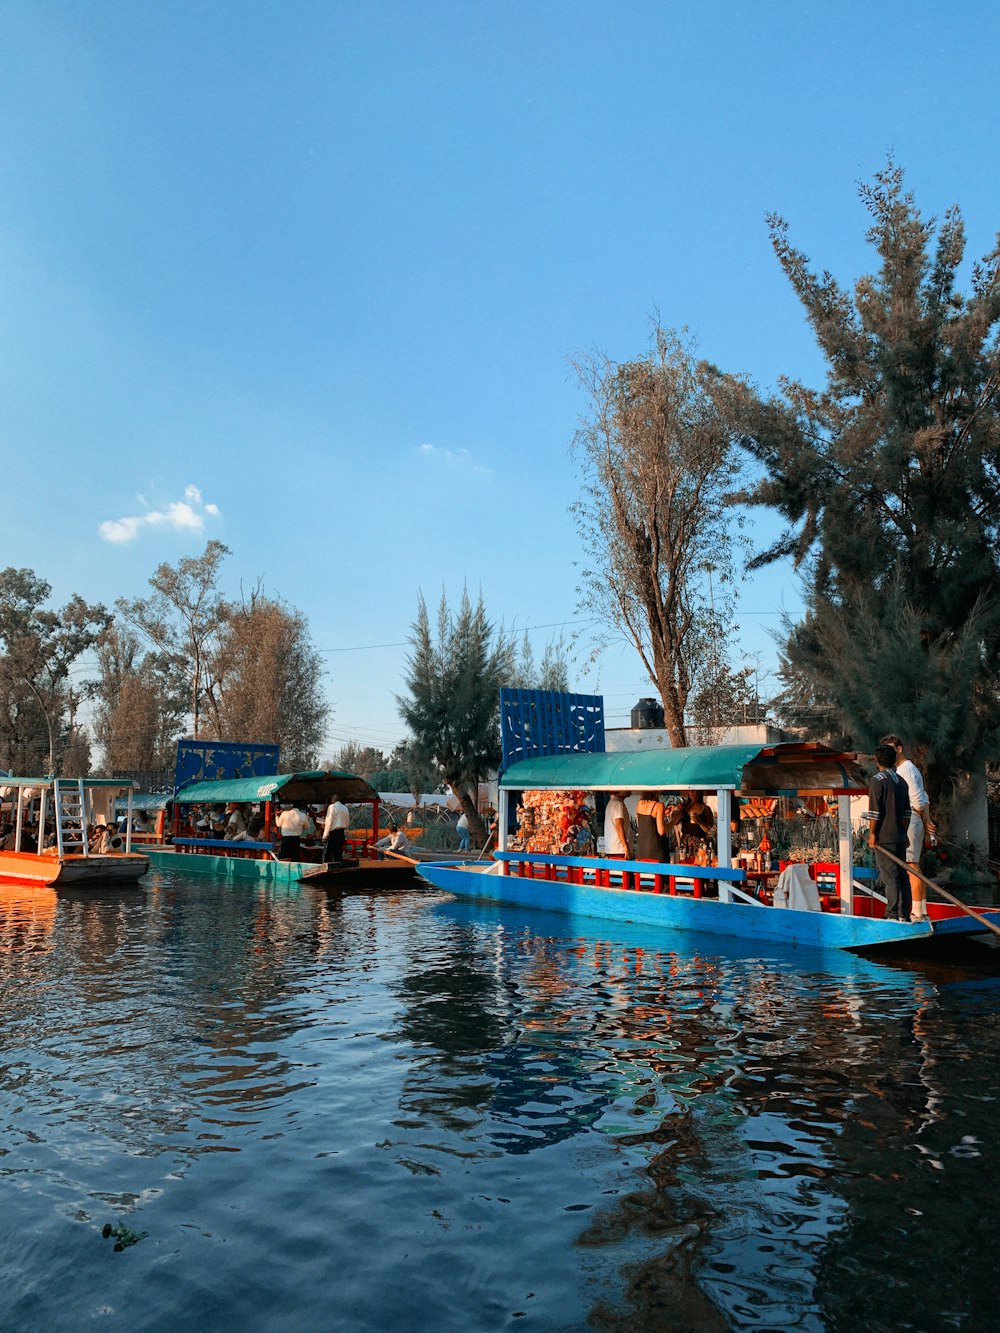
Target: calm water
(399,1112)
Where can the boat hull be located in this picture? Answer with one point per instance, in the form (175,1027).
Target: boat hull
(709,916)
(78,871)
(361,875)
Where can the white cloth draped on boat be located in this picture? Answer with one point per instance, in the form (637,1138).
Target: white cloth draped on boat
(796,890)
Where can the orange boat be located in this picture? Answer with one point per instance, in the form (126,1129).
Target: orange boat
(50,835)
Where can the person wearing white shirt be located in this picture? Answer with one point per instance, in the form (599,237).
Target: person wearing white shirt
(335,826)
(236,825)
(921,824)
(617,826)
(291,824)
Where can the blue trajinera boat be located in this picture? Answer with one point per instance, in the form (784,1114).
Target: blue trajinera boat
(786,907)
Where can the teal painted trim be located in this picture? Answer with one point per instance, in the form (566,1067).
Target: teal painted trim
(227,867)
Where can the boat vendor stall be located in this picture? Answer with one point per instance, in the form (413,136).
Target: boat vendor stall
(830,905)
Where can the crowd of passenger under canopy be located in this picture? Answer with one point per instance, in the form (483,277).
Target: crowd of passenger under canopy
(658,826)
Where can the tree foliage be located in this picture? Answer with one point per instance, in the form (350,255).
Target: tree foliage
(364,760)
(889,481)
(452,708)
(264,682)
(140,703)
(182,619)
(659,466)
(552,673)
(242,670)
(39,647)
(422,776)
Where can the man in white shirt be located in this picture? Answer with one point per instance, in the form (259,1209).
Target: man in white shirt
(291,824)
(617,826)
(920,823)
(335,826)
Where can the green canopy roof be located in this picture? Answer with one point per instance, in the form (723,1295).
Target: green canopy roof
(313,788)
(145,800)
(770,770)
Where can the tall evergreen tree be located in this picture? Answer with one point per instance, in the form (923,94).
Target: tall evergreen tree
(453,705)
(889,480)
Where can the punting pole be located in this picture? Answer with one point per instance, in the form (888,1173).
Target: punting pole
(943,892)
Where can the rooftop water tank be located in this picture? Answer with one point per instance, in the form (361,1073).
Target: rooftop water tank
(647,713)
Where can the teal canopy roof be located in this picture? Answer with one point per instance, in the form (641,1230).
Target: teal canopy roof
(770,770)
(145,800)
(312,788)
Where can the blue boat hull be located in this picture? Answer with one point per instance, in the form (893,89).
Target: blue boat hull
(708,916)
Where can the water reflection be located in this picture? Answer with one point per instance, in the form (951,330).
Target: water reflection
(496,1114)
(729,1083)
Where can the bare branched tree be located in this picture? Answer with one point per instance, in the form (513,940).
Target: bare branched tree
(182,618)
(265,680)
(655,516)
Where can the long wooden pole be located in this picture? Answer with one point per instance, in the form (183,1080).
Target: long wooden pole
(911,870)
(398,856)
(482,852)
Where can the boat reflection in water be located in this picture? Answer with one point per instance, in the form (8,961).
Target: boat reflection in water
(27,918)
(762,1113)
(489,1113)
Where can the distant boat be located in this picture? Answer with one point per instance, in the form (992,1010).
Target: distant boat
(196,850)
(829,905)
(63,812)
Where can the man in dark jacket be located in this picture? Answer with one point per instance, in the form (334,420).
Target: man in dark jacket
(889,813)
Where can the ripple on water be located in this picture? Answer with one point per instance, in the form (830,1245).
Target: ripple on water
(371,1112)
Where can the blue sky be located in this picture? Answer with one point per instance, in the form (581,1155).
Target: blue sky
(305,277)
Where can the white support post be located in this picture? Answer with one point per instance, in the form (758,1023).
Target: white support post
(845,840)
(128,823)
(503,802)
(43,806)
(724,838)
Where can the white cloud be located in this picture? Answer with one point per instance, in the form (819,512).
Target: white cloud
(187,515)
(459,461)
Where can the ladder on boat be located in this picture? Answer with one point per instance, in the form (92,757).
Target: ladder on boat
(71,817)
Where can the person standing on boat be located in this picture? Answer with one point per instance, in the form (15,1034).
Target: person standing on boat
(617,826)
(697,823)
(889,816)
(335,826)
(290,823)
(652,842)
(921,824)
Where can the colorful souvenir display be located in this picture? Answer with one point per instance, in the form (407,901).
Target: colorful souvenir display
(554,822)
